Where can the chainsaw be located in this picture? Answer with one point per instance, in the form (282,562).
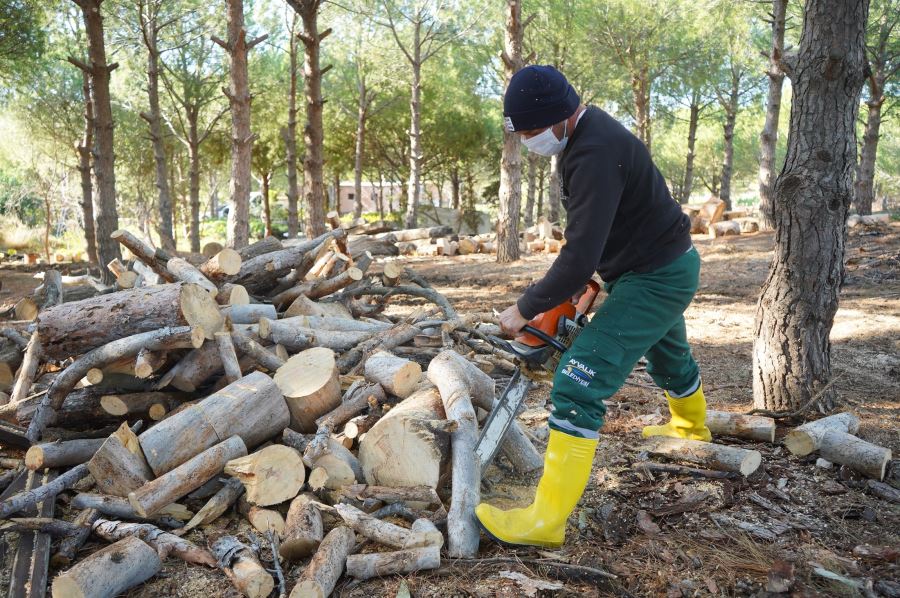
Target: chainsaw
(537,350)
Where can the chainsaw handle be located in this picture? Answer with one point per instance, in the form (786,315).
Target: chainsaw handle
(545,337)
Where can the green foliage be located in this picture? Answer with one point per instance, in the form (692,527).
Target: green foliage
(22,36)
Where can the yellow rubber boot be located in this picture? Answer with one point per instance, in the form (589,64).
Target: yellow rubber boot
(567,467)
(688,418)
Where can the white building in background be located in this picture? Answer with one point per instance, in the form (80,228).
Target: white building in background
(391,193)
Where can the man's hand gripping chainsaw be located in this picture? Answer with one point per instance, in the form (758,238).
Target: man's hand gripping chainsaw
(537,349)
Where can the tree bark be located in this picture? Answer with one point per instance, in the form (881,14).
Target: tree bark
(314,130)
(640,94)
(792,349)
(238,95)
(768,138)
(290,135)
(109,571)
(193,115)
(554,190)
(511,157)
(150,26)
(731,110)
(866,179)
(688,182)
(534,162)
(362,114)
(84,168)
(242,567)
(327,565)
(104,157)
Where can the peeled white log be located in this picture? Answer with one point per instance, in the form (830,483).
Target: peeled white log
(326,566)
(397,375)
(857,454)
(186,272)
(753,427)
(380,564)
(271,475)
(462,529)
(311,385)
(807,438)
(109,571)
(713,456)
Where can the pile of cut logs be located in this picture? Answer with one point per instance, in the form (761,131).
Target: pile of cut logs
(268,381)
(711,218)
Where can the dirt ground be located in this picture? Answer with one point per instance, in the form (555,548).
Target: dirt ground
(657,535)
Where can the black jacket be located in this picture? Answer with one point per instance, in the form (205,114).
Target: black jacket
(621,217)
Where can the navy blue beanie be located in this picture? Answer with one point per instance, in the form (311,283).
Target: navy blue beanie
(538,96)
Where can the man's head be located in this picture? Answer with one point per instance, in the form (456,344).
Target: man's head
(539,101)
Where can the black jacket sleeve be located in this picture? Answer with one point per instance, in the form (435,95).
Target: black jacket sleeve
(595,178)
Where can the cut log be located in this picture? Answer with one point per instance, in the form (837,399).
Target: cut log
(452,381)
(220,502)
(382,532)
(263,520)
(77,327)
(25,376)
(138,404)
(228,357)
(184,271)
(327,565)
(94,376)
(467,246)
(748,225)
(225,263)
(143,252)
(110,571)
(318,288)
(414,234)
(250,313)
(806,439)
(212,248)
(162,542)
(298,339)
(242,567)
(26,309)
(359,425)
(296,440)
(303,530)
(146,362)
(752,427)
(359,246)
(397,375)
(334,323)
(153,496)
(265,245)
(61,454)
(194,369)
(726,228)
(402,449)
(384,340)
(250,348)
(340,467)
(270,476)
(252,408)
(707,454)
(357,398)
(119,466)
(857,454)
(391,274)
(311,386)
(232,294)
(426,496)
(380,564)
(120,508)
(424,532)
(27,498)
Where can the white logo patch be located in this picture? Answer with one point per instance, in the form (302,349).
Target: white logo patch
(509,124)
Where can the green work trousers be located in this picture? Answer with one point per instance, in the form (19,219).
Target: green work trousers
(642,316)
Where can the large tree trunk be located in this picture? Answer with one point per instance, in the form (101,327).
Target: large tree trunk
(511,158)
(792,350)
(415,131)
(768,139)
(265,179)
(84,168)
(688,182)
(533,166)
(314,131)
(865,182)
(362,114)
(731,108)
(150,26)
(554,190)
(290,137)
(238,95)
(194,177)
(104,158)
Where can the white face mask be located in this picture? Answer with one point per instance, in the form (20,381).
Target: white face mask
(545,143)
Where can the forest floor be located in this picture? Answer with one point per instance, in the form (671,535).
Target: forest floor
(656,535)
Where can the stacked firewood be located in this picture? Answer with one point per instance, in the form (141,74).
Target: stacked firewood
(268,380)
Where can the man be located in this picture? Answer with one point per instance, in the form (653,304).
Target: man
(623,224)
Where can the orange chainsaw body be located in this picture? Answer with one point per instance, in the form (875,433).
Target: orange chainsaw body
(548,321)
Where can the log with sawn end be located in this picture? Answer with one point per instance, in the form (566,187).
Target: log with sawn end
(397,375)
(242,567)
(110,571)
(297,338)
(303,531)
(311,386)
(327,565)
(119,466)
(708,454)
(162,541)
(217,504)
(857,454)
(807,438)
(738,425)
(381,564)
(271,475)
